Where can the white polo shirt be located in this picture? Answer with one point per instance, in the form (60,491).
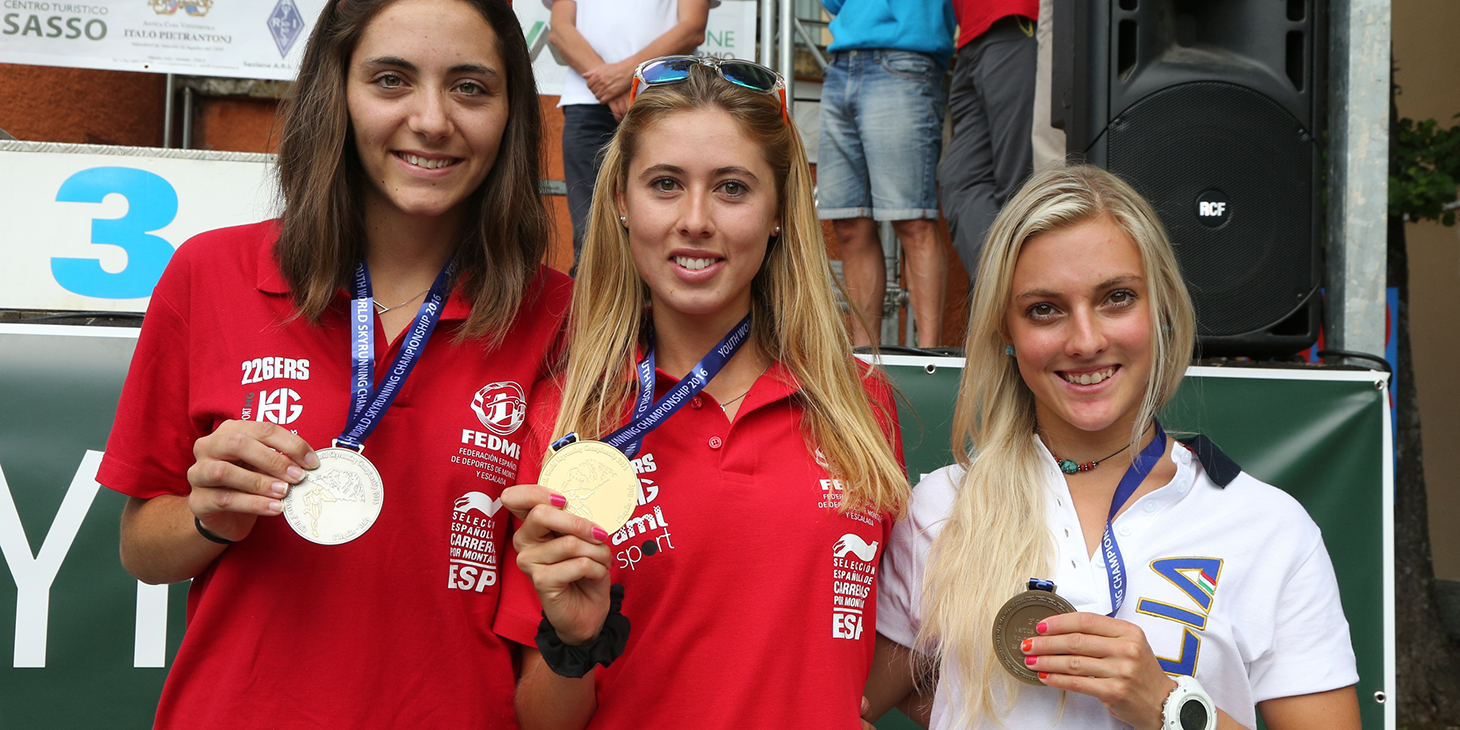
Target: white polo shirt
(616,29)
(1230,584)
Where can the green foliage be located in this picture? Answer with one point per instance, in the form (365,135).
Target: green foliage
(1425,172)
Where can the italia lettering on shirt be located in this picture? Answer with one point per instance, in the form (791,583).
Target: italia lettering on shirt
(1195,580)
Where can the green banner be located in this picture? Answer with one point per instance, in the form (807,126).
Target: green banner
(1322,435)
(88,645)
(82,643)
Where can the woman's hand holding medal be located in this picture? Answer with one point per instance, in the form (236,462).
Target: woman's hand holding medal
(243,470)
(567,558)
(1105,658)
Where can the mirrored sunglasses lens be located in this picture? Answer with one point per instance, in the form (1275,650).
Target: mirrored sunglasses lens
(667,71)
(749,75)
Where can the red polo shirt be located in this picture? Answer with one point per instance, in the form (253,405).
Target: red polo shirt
(752,601)
(392,629)
(975,16)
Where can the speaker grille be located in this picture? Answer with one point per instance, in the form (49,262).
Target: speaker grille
(1218,141)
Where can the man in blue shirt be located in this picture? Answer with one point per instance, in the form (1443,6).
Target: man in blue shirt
(882,107)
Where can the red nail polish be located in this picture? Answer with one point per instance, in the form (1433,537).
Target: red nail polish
(558,501)
(600,534)
(1030,660)
(1042,627)
(1044,675)
(1027,645)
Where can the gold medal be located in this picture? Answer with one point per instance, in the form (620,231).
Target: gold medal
(598,481)
(338,501)
(1015,623)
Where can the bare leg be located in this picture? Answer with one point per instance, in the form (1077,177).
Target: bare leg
(927,276)
(864,273)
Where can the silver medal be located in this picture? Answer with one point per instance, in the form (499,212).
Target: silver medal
(337,502)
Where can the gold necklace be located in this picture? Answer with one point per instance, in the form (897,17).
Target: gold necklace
(747,390)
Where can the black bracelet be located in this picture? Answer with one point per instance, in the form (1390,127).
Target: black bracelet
(575,661)
(204,532)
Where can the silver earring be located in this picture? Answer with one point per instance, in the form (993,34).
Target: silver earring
(776,232)
(1008,349)
(623,220)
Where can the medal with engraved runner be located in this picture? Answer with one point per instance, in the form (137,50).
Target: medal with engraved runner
(598,481)
(596,477)
(338,501)
(1016,621)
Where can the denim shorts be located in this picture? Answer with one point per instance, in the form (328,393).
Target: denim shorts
(881,135)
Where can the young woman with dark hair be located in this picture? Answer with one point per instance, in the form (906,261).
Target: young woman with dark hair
(355,585)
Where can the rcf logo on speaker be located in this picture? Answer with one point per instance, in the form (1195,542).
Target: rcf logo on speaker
(1212,208)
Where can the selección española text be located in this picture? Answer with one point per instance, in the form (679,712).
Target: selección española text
(70,21)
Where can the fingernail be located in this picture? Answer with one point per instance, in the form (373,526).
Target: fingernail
(311,460)
(1030,660)
(1044,675)
(558,500)
(600,534)
(1027,645)
(276,507)
(1042,627)
(280,489)
(294,473)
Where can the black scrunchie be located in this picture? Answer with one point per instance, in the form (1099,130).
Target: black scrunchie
(575,661)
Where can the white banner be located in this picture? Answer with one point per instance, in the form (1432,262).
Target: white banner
(257,39)
(254,39)
(90,227)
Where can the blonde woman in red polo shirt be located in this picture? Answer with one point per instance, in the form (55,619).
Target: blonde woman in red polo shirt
(352,586)
(748,568)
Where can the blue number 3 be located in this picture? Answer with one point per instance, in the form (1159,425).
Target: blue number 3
(151,204)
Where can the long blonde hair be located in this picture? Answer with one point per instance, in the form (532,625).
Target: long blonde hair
(794,319)
(996,537)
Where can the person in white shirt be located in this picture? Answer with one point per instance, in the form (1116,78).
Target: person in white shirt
(1081,330)
(603,41)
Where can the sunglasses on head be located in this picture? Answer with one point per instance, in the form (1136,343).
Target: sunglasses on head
(673,69)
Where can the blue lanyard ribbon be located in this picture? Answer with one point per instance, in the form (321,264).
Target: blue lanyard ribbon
(1136,473)
(368,403)
(649,414)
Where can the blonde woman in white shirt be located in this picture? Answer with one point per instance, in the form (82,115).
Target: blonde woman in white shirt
(1081,330)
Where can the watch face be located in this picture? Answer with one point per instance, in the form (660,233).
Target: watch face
(1193,715)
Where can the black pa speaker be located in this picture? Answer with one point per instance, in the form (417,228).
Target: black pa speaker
(1213,110)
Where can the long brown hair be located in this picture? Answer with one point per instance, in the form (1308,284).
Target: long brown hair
(793,310)
(321,233)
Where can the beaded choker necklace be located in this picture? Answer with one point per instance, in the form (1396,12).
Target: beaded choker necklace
(1072,467)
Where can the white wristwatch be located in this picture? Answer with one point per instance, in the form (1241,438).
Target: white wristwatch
(1188,707)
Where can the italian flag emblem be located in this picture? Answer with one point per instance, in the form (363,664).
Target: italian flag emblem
(1205,583)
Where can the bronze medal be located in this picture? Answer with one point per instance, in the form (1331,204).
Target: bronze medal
(598,481)
(1015,623)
